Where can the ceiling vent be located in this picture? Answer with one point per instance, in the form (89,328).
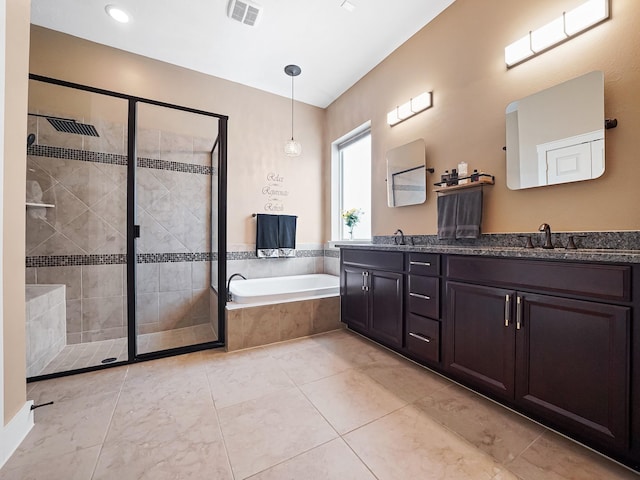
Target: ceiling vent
(244,11)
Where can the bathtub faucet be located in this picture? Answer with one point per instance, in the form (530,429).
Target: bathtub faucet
(229,298)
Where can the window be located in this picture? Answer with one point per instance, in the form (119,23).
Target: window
(351,186)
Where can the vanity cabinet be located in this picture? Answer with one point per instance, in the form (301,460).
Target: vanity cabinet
(423,328)
(372,286)
(564,360)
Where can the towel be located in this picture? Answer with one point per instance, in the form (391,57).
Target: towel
(469,213)
(287,235)
(447,215)
(267,236)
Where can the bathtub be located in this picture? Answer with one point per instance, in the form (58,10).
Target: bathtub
(269,310)
(278,289)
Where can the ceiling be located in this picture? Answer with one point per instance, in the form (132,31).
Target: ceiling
(334,47)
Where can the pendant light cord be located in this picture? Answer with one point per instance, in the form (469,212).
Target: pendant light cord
(291,107)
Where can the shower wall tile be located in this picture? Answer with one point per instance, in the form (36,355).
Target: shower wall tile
(176,148)
(200,306)
(200,275)
(102,313)
(103,334)
(175,276)
(74,316)
(113,210)
(175,310)
(58,167)
(102,281)
(35,173)
(71,277)
(117,173)
(202,150)
(148,143)
(57,244)
(67,206)
(88,183)
(94,235)
(74,338)
(111,139)
(149,189)
(38,230)
(155,238)
(147,277)
(30,276)
(147,308)
(213,312)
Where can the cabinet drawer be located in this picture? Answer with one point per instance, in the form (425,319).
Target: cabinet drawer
(423,338)
(610,282)
(370,258)
(424,296)
(423,263)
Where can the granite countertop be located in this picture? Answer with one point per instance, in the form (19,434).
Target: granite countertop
(584,254)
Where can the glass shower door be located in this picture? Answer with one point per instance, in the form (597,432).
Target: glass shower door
(175,301)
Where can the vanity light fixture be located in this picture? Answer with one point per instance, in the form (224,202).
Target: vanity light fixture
(292,148)
(412,107)
(570,24)
(117,13)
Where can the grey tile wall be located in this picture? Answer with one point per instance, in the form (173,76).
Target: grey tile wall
(81,241)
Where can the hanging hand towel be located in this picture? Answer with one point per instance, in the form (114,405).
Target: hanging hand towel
(447,208)
(287,235)
(267,236)
(469,214)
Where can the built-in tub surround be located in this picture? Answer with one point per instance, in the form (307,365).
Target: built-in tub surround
(81,241)
(45,324)
(277,318)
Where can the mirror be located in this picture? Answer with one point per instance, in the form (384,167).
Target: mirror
(406,177)
(557,135)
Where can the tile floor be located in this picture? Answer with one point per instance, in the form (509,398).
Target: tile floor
(331,406)
(82,355)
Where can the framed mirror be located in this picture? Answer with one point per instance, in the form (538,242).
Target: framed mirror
(557,135)
(406,175)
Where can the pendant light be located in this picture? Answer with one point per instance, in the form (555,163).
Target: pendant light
(292,148)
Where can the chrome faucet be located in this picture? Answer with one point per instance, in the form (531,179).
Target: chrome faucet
(546,228)
(229,297)
(395,239)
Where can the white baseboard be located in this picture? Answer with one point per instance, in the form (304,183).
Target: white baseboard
(13,433)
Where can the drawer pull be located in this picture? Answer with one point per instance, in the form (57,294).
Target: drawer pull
(518,312)
(507,309)
(424,264)
(420,337)
(419,295)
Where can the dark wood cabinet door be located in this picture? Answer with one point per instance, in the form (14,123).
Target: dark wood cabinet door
(573,365)
(386,297)
(481,337)
(354,300)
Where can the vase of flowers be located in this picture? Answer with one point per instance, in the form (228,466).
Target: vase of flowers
(351,218)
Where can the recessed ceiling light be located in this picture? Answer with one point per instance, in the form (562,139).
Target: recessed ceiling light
(348,6)
(117,13)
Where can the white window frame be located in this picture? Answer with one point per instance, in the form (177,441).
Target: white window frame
(337,225)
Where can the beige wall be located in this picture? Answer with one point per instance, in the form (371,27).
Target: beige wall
(259,124)
(460,56)
(13,191)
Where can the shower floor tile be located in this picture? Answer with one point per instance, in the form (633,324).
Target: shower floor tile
(82,355)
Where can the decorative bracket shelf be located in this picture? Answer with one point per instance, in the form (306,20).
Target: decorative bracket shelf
(483,179)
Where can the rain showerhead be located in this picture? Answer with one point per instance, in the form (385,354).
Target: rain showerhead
(69,125)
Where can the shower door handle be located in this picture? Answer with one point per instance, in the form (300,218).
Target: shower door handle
(136,231)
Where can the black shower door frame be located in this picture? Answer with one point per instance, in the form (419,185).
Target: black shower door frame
(133,230)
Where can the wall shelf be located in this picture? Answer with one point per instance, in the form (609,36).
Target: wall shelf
(484,179)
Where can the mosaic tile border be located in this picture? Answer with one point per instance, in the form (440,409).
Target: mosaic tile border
(244,255)
(117,159)
(117,259)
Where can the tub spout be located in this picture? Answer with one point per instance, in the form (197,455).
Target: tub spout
(229,297)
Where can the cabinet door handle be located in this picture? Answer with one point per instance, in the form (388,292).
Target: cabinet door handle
(518,312)
(419,295)
(424,264)
(420,337)
(507,305)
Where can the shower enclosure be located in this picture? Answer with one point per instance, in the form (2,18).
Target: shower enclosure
(125,228)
